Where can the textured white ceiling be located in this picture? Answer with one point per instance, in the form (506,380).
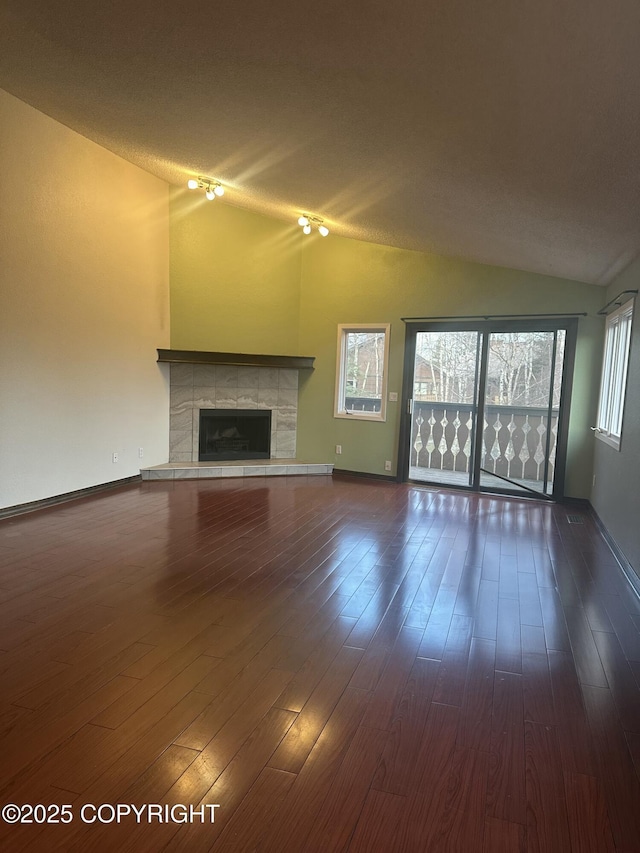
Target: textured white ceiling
(501,131)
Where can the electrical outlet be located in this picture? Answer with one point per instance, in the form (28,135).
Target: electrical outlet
(393,396)
(140,452)
(387,465)
(338,449)
(114,457)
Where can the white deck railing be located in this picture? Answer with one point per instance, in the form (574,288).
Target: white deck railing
(515,439)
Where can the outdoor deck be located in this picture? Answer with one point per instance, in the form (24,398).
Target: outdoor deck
(461,478)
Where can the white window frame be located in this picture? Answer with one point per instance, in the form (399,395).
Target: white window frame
(615,367)
(340,410)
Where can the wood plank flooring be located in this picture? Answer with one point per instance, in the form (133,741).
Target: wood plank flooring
(338,664)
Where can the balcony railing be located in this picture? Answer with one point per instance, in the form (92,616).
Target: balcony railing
(363,404)
(514,439)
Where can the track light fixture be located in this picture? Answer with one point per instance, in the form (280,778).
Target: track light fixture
(307,221)
(211,187)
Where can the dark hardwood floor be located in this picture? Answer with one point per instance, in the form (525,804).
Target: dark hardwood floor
(340,664)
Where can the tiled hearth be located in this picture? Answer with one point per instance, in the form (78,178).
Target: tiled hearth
(250,468)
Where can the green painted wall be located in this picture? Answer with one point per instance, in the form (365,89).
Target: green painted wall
(235,278)
(346,281)
(247,283)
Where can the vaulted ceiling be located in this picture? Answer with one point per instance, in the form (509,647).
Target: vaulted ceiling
(497,131)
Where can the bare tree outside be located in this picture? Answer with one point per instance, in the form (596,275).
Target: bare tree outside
(452,362)
(519,369)
(518,372)
(365,360)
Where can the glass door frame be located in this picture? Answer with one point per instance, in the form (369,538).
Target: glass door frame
(484,327)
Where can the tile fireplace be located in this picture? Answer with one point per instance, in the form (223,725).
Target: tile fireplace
(236,388)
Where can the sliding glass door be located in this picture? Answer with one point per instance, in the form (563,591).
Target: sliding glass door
(521,407)
(444,407)
(486,404)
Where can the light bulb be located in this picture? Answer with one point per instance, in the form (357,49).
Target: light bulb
(323,230)
(219,190)
(192,184)
(304,222)
(210,194)
(307,229)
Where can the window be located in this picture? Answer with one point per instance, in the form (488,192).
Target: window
(361,381)
(617,344)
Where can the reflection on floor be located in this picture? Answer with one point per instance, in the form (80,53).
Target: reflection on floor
(340,664)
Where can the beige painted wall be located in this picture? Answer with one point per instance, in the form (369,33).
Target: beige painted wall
(84,302)
(235,278)
(616,492)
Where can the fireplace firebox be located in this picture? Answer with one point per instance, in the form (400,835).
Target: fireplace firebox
(234,434)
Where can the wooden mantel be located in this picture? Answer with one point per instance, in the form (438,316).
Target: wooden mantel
(181,356)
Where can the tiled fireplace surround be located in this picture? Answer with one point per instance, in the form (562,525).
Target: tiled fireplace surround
(218,386)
